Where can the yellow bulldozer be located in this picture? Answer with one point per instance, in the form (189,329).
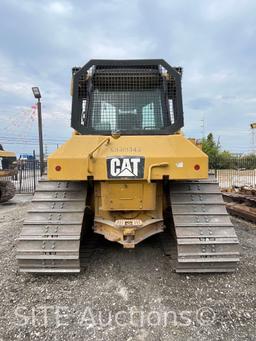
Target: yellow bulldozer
(8,169)
(127,173)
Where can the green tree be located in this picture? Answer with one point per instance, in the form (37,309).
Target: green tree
(224,159)
(212,149)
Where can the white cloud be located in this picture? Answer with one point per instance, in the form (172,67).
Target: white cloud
(60,8)
(217,10)
(103,47)
(251,114)
(12,80)
(30,6)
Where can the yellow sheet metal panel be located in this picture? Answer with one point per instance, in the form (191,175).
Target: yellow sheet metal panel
(6,173)
(182,156)
(126,196)
(4,153)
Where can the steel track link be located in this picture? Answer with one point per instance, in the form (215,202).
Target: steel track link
(206,239)
(50,237)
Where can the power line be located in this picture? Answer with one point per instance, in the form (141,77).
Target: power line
(31,138)
(28,140)
(31,143)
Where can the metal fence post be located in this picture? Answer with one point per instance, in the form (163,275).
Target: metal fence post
(21,165)
(34,170)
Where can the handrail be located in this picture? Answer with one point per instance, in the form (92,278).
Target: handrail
(162,164)
(90,155)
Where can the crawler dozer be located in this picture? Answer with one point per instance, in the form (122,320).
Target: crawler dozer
(7,169)
(127,173)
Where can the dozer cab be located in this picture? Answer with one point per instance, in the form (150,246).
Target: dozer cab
(8,169)
(127,173)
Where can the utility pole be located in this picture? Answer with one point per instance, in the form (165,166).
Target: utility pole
(203,126)
(37,95)
(253,127)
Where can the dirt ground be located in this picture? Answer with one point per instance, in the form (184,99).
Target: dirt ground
(125,294)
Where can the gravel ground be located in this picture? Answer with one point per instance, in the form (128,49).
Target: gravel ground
(125,294)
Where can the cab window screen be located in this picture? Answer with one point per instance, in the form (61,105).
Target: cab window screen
(126,110)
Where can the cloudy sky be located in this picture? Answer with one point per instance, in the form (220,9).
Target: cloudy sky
(213,40)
